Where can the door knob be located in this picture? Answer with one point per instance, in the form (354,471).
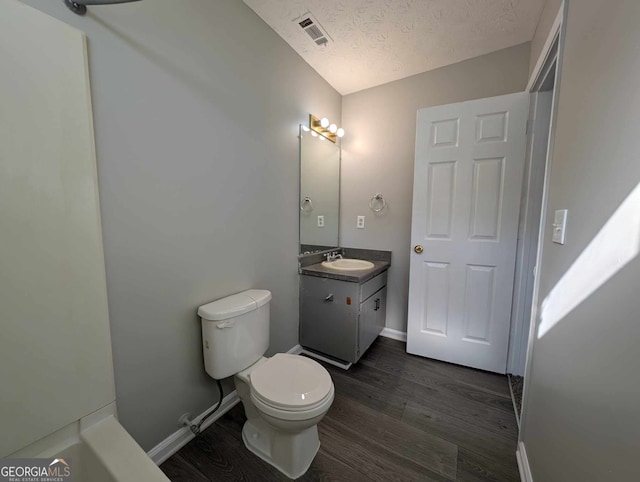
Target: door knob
(418,248)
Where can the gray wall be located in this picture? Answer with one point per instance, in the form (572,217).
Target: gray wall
(379,147)
(549,13)
(196,105)
(581,419)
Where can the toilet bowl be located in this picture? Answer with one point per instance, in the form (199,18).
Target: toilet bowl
(284,397)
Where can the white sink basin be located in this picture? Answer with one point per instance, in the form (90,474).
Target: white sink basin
(347,264)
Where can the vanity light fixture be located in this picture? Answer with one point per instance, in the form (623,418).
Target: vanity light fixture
(325,128)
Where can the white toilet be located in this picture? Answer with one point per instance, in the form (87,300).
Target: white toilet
(284,396)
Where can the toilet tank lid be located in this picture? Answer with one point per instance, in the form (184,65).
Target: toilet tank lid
(234,305)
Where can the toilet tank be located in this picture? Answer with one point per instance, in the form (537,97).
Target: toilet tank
(235,332)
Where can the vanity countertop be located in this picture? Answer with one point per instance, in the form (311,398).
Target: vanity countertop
(359,276)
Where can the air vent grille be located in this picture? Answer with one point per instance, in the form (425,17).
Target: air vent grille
(310,24)
(314,32)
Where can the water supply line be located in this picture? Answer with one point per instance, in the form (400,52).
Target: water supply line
(79,7)
(195,426)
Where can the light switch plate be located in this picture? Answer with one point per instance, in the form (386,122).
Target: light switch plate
(559,226)
(360,222)
(321,221)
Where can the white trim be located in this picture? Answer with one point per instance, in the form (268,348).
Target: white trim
(183,436)
(295,350)
(540,113)
(394,334)
(523,463)
(542,58)
(335,363)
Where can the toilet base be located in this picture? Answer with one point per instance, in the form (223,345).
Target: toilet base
(291,454)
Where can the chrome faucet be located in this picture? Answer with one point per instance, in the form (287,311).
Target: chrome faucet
(333,256)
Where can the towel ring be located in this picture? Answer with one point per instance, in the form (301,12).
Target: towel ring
(377,197)
(306,206)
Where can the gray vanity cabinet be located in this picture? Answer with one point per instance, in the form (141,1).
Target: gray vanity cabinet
(341,318)
(372,318)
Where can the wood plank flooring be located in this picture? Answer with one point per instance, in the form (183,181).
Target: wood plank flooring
(395,417)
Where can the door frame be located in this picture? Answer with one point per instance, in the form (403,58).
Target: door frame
(539,128)
(557,36)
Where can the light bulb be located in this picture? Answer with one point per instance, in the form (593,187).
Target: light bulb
(305,128)
(333,128)
(314,134)
(321,138)
(324,122)
(340,132)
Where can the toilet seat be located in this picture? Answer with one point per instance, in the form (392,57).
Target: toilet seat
(291,386)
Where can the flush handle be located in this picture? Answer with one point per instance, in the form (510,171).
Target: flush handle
(329,297)
(226,324)
(418,249)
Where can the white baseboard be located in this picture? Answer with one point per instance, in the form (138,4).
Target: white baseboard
(394,334)
(183,436)
(335,363)
(296,350)
(523,463)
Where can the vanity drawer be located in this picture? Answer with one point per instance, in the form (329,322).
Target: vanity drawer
(373,285)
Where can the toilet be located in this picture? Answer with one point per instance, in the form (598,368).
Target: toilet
(284,397)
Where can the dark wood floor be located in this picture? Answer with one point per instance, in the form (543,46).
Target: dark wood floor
(395,417)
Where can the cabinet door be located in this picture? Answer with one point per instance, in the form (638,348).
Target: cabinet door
(372,317)
(381,319)
(328,316)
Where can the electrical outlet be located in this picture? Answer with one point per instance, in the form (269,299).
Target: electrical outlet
(360,222)
(321,221)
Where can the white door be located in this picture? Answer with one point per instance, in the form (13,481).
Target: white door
(466,203)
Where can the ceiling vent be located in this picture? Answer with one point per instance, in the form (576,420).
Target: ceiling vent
(310,24)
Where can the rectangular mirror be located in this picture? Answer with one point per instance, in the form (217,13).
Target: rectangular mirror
(319,192)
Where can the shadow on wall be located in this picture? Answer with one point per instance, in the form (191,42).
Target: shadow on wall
(164,63)
(616,245)
(220,91)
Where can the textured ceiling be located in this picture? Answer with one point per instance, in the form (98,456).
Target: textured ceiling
(378,41)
